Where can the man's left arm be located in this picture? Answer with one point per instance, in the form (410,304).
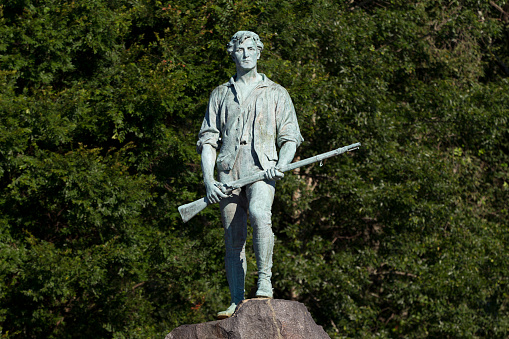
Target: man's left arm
(286,155)
(289,137)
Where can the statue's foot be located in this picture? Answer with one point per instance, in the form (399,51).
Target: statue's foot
(264,289)
(228,313)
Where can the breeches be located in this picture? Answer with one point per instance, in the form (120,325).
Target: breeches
(256,199)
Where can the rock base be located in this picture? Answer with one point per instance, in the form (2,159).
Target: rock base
(257,319)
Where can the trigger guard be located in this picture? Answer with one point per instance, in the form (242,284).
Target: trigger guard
(223,188)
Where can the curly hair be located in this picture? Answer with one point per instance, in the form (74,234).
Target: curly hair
(240,37)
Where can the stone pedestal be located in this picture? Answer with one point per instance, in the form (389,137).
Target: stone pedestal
(257,319)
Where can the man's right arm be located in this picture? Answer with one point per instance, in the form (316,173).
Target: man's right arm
(208,161)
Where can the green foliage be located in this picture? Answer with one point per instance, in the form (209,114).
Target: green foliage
(100,105)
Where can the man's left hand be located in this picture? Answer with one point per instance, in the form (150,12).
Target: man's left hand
(274,174)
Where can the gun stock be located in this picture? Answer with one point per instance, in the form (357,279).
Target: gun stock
(188,211)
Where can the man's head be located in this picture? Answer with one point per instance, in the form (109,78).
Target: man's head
(239,38)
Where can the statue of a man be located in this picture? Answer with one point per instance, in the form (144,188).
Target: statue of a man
(245,119)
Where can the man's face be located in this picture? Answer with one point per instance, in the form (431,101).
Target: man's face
(246,54)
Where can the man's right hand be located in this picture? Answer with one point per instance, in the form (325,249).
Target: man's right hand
(214,193)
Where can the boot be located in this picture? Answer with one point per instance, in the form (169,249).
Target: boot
(228,312)
(263,248)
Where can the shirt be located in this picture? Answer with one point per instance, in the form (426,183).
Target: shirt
(270,110)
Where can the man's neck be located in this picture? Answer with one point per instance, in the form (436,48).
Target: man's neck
(247,77)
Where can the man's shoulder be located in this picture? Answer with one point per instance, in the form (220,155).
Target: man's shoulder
(220,90)
(273,85)
(278,87)
(278,90)
(222,87)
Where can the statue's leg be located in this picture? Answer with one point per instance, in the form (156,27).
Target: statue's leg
(260,197)
(234,216)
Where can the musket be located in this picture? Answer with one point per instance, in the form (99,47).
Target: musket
(188,211)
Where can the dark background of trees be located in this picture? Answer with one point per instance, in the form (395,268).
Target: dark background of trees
(100,105)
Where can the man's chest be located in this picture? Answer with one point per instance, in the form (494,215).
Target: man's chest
(239,105)
(245,91)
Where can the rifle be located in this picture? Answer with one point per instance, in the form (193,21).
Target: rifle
(188,211)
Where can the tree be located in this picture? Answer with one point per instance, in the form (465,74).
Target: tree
(100,106)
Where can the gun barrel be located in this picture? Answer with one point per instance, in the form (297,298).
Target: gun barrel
(320,157)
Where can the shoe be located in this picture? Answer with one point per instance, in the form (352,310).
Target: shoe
(264,289)
(228,313)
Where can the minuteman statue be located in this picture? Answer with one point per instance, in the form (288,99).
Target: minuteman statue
(246,118)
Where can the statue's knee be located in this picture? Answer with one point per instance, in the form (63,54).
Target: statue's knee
(259,214)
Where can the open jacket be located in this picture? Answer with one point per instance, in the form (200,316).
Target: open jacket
(265,118)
